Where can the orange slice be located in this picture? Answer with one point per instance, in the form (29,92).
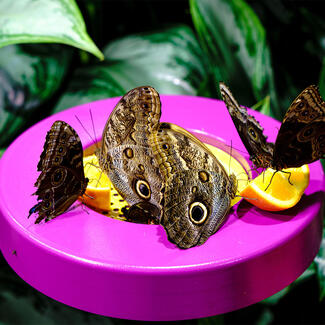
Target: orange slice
(280,194)
(100,193)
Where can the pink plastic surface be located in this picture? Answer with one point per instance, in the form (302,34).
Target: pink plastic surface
(125,270)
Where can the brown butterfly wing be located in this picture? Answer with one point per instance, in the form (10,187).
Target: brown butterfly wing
(197,190)
(62,178)
(249,130)
(301,138)
(136,114)
(126,155)
(62,147)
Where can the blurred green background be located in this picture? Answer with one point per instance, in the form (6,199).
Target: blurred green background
(55,54)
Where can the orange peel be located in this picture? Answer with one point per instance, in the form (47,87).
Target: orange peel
(284,191)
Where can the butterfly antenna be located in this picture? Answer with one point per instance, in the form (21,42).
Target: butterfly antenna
(263,172)
(91,197)
(86,131)
(101,171)
(230,156)
(93,126)
(247,198)
(242,179)
(239,150)
(100,175)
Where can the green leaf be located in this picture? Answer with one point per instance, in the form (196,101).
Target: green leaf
(30,74)
(88,84)
(322,79)
(170,60)
(266,317)
(44,21)
(235,42)
(263,106)
(2,150)
(214,320)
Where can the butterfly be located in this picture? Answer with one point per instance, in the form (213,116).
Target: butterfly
(62,178)
(163,170)
(301,137)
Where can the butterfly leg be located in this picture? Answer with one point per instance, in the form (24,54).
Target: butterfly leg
(288,177)
(98,167)
(271,180)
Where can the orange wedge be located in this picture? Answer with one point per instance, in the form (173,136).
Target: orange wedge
(100,193)
(279,194)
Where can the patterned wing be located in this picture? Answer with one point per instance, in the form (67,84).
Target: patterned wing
(301,138)
(249,130)
(62,178)
(126,156)
(197,191)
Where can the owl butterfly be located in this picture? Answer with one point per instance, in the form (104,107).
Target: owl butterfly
(300,140)
(62,178)
(164,171)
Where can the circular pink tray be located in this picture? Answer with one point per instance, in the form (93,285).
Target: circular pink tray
(125,270)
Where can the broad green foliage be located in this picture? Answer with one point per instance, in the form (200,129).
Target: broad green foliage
(87,85)
(29,74)
(169,60)
(44,21)
(322,80)
(235,42)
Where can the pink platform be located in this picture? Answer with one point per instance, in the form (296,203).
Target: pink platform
(119,269)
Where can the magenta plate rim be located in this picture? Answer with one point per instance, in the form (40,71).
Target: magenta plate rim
(125,270)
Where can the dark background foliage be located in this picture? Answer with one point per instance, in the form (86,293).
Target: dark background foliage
(267,51)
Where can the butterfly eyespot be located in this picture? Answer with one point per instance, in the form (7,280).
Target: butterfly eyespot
(301,105)
(47,204)
(304,113)
(145,105)
(47,196)
(198,213)
(308,132)
(143,189)
(60,149)
(128,153)
(165,146)
(252,133)
(58,160)
(203,176)
(58,176)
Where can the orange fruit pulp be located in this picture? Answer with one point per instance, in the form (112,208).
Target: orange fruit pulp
(283,192)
